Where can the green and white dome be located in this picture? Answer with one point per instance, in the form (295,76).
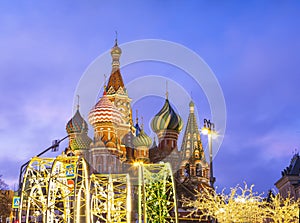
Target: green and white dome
(166,119)
(142,140)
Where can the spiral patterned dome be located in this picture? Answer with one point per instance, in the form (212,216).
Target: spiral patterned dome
(104,111)
(142,140)
(166,119)
(76,124)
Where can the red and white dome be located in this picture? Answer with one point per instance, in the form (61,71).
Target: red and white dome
(104,111)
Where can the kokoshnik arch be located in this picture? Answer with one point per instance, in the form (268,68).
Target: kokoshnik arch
(121,175)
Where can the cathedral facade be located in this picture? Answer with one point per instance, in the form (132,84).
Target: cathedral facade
(289,183)
(118,142)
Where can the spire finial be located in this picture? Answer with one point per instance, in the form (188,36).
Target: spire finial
(77,102)
(116,39)
(167,93)
(115,53)
(142,126)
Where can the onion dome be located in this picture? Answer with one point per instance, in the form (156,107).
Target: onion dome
(142,140)
(116,54)
(192,105)
(104,111)
(166,119)
(81,141)
(116,49)
(77,124)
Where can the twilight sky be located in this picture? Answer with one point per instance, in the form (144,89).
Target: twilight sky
(252,47)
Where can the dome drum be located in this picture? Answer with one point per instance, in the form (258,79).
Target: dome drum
(167,134)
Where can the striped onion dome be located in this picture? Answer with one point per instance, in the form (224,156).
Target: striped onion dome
(142,140)
(166,119)
(76,124)
(104,111)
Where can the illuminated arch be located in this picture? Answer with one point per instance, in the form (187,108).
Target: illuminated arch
(68,192)
(110,198)
(157,198)
(61,191)
(33,204)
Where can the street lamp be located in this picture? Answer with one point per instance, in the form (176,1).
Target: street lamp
(209,130)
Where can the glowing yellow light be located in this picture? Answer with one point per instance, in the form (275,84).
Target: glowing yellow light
(136,164)
(214,135)
(242,205)
(205,131)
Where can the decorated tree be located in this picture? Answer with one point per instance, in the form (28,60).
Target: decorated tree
(242,205)
(281,209)
(3,185)
(5,201)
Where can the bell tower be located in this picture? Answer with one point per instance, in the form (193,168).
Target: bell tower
(117,93)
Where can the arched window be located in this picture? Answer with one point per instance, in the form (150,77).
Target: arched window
(197,154)
(198,170)
(187,170)
(195,144)
(187,153)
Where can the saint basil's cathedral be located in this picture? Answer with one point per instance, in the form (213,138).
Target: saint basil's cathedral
(118,142)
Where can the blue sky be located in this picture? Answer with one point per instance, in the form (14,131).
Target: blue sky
(252,47)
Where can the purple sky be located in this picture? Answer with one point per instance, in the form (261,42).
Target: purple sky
(252,47)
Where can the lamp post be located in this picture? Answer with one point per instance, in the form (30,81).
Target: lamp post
(209,129)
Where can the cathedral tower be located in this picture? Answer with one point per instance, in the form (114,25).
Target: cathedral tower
(167,125)
(142,142)
(117,93)
(106,150)
(193,167)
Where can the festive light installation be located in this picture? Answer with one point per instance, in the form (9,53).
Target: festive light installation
(33,203)
(55,190)
(68,191)
(242,205)
(60,190)
(157,199)
(282,210)
(110,198)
